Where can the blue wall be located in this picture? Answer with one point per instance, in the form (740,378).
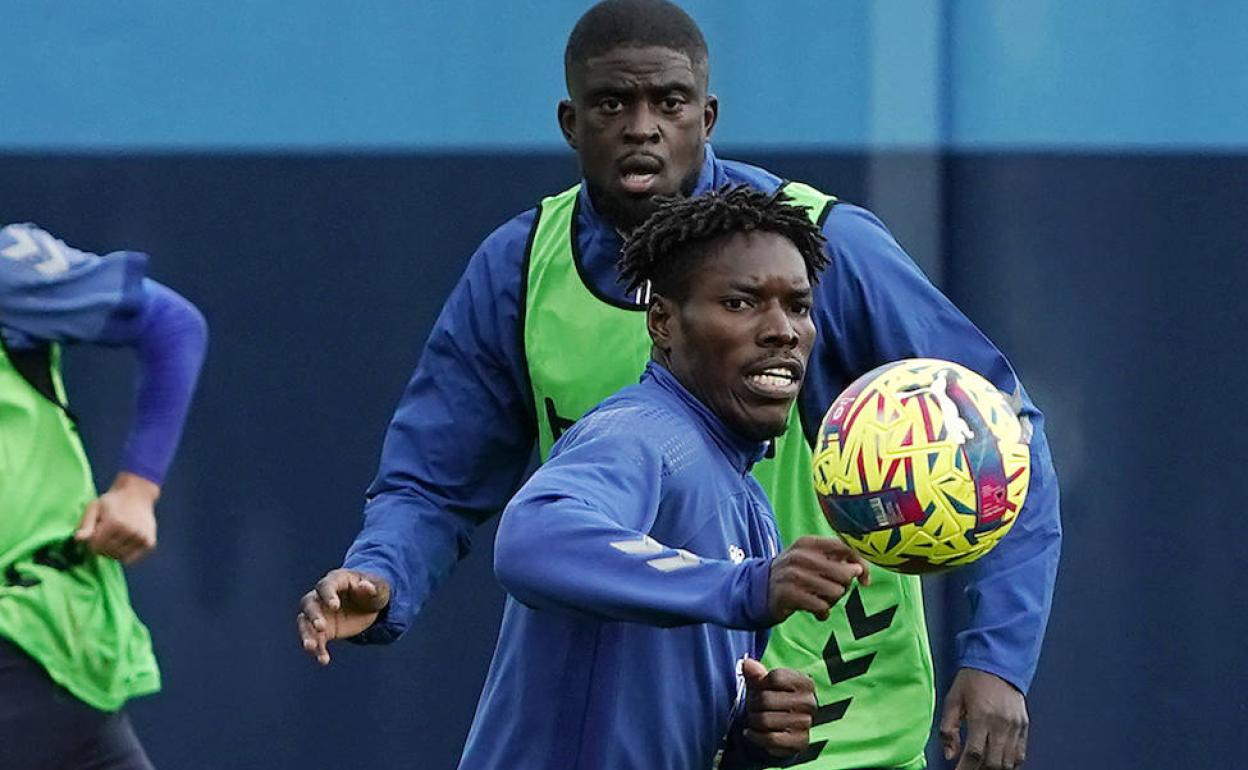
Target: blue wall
(1165,74)
(84,75)
(1072,174)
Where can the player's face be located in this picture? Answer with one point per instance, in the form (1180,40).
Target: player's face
(639,119)
(741,339)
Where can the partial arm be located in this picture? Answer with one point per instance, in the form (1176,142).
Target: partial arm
(460,440)
(171,343)
(171,338)
(574,539)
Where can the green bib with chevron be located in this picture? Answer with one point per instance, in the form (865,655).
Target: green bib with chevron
(64,606)
(870,661)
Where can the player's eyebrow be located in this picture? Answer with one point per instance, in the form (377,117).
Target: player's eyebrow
(678,86)
(744,287)
(756,289)
(618,91)
(623,89)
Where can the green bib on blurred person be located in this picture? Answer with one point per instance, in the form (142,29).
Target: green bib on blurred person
(871,657)
(63,605)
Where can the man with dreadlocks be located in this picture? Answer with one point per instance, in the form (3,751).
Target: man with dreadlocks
(640,559)
(539,331)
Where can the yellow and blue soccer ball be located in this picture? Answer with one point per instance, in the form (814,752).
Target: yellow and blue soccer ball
(922,465)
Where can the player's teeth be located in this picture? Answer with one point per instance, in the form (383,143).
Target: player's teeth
(771,380)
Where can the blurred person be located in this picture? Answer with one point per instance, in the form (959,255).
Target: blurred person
(538,331)
(72,650)
(641,558)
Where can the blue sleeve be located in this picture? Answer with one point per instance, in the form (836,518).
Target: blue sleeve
(874,305)
(171,340)
(52,291)
(574,539)
(460,440)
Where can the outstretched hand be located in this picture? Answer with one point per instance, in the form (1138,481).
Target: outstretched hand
(779,708)
(812,575)
(121,523)
(342,604)
(996,722)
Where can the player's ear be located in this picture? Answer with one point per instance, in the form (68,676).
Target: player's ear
(710,114)
(566,113)
(660,318)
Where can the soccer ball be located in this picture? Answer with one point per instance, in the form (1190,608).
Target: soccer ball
(921,465)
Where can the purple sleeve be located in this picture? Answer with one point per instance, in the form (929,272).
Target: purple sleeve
(170,338)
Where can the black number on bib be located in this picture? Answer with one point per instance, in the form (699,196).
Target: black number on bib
(861,625)
(14,578)
(61,556)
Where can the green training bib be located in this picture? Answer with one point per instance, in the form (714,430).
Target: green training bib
(870,661)
(66,607)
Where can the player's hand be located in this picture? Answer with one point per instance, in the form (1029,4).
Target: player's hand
(996,722)
(343,603)
(779,708)
(121,523)
(812,575)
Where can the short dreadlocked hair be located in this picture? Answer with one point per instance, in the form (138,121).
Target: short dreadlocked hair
(614,23)
(678,235)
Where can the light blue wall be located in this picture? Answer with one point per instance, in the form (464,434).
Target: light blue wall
(1168,73)
(475,74)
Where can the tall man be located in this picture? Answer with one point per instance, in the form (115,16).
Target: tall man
(72,651)
(538,331)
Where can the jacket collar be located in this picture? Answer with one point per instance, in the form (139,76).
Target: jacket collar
(740,451)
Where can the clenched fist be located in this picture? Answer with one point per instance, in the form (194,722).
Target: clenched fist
(121,523)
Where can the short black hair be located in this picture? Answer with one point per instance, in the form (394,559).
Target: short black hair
(614,23)
(664,249)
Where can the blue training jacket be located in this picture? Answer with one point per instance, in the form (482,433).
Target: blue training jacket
(462,437)
(637,561)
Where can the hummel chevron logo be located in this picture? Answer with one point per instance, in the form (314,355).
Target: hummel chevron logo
(861,624)
(50,260)
(23,244)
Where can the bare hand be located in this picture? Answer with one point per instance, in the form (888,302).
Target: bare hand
(812,575)
(996,722)
(121,523)
(779,708)
(342,604)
